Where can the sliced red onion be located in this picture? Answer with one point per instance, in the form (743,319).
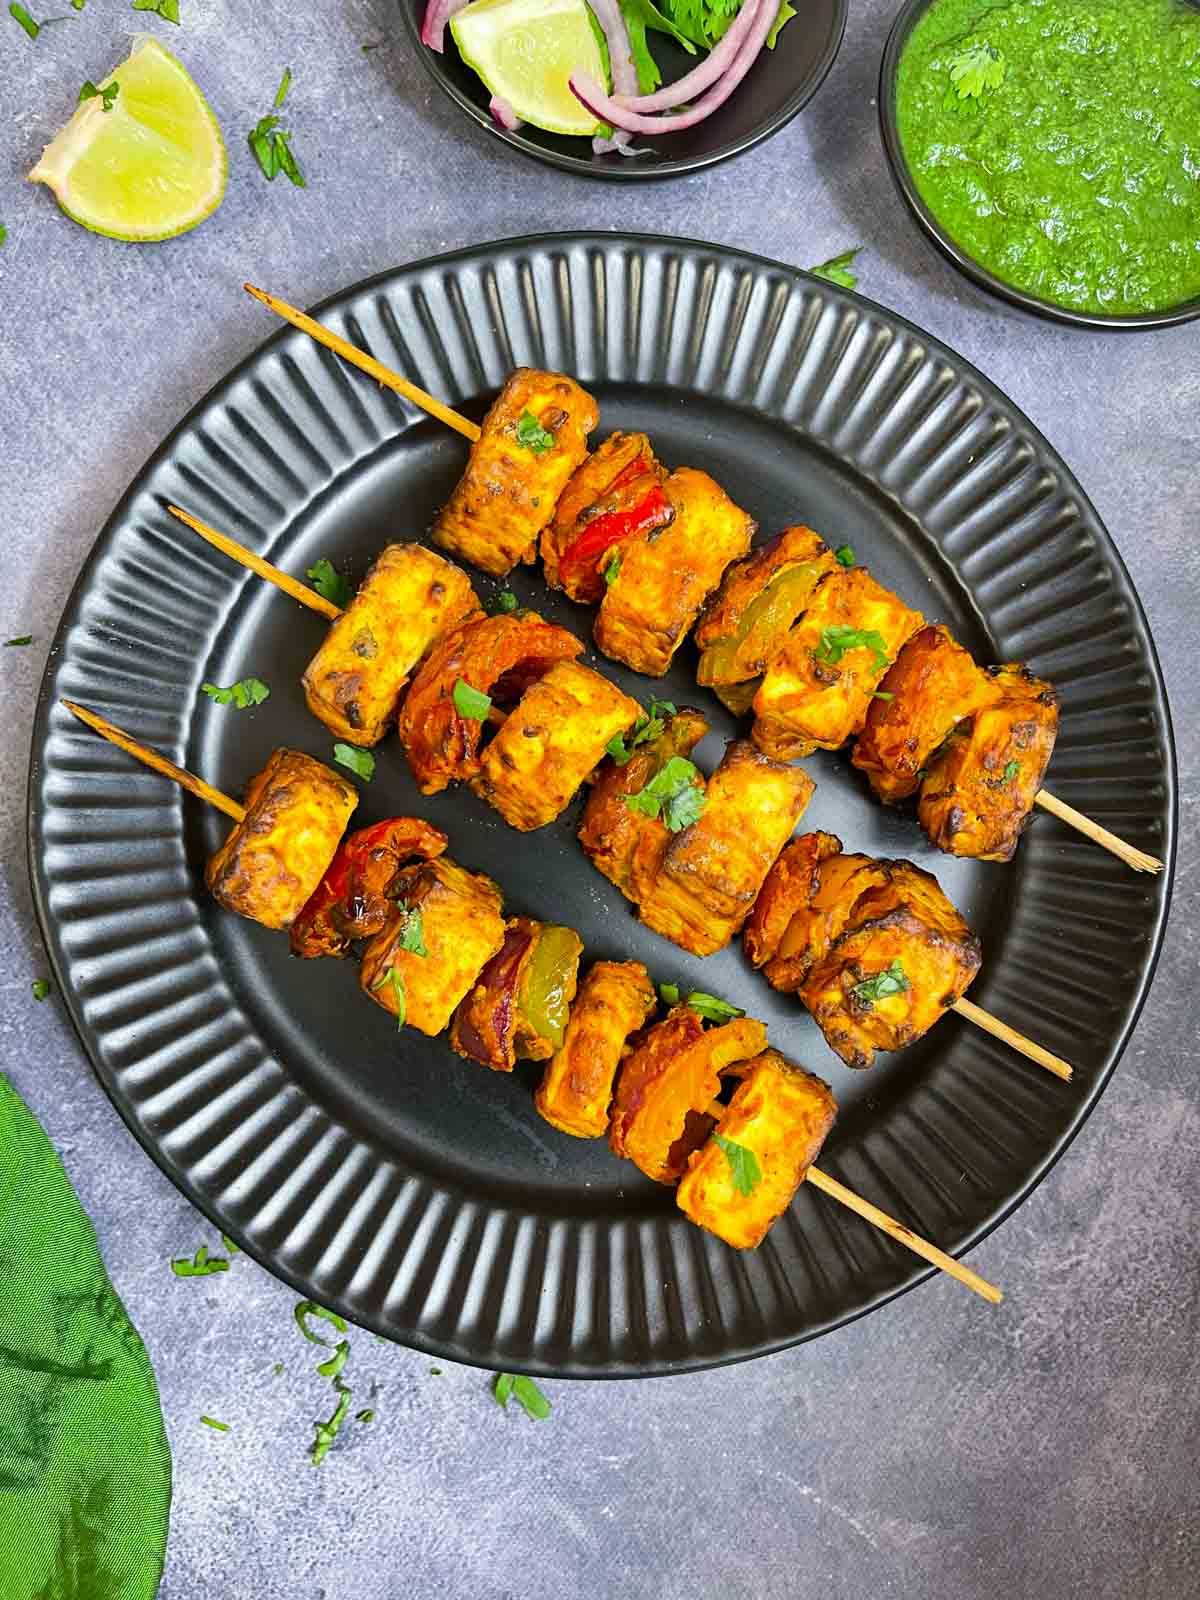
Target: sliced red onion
(624,74)
(503,114)
(433,26)
(603,106)
(700,77)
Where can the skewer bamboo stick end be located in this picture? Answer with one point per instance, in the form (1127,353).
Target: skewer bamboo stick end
(1128,853)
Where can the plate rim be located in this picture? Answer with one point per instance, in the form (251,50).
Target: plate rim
(655,1366)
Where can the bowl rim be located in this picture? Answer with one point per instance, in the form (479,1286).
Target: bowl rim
(624,170)
(906,20)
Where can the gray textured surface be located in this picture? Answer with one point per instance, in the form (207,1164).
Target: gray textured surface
(937,1449)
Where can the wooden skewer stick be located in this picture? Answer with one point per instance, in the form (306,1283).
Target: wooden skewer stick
(204,791)
(1129,854)
(308,597)
(368,364)
(151,758)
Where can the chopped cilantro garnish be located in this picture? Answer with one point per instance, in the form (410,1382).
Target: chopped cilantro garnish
(612,569)
(333,1366)
(360,762)
(893,980)
(278,1369)
(712,1009)
(532,436)
(39,988)
(435,1372)
(19,15)
(668,993)
(272,149)
(310,1308)
(647,727)
(412,930)
(201,1265)
(671,794)
(211,1422)
(234,1249)
(394,977)
(509,1385)
(471,703)
(882,694)
(285,83)
(246,692)
(505,602)
(327,1432)
(330,584)
(108,94)
(4,241)
(838,270)
(364,1416)
(840,637)
(976,69)
(744,1169)
(1011,770)
(845,554)
(168,10)
(24,638)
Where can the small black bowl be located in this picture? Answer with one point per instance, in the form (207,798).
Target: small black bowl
(778,85)
(907,19)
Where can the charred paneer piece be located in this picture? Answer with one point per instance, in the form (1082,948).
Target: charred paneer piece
(661,1109)
(275,857)
(616,493)
(800,910)
(930,688)
(625,844)
(552,740)
(444,928)
(518,1006)
(533,438)
(409,598)
(666,574)
(820,681)
(979,789)
(353,899)
(499,656)
(614,1000)
(778,1119)
(903,958)
(748,618)
(712,871)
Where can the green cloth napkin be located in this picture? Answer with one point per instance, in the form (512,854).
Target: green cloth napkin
(85,1468)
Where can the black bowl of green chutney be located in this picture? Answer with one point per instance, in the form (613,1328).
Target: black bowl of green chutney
(1051,150)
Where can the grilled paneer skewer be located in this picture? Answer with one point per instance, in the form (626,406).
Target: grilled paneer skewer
(408,600)
(275,857)
(353,899)
(444,927)
(532,439)
(979,790)
(615,999)
(747,1172)
(519,1005)
(873,948)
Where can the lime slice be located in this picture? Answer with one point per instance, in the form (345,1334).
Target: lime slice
(524,50)
(151,167)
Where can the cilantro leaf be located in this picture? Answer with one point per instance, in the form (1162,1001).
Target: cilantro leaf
(168,10)
(359,762)
(612,570)
(234,1249)
(330,584)
(845,554)
(712,1009)
(278,1369)
(532,436)
(211,1422)
(671,794)
(505,602)
(882,694)
(364,1416)
(1011,770)
(839,638)
(310,1308)
(643,15)
(509,1385)
(4,241)
(246,692)
(893,980)
(201,1265)
(19,15)
(333,1366)
(412,931)
(743,1164)
(471,703)
(782,17)
(976,69)
(39,988)
(648,726)
(327,1432)
(838,270)
(108,94)
(285,83)
(395,977)
(24,638)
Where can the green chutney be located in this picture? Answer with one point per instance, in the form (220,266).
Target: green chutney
(1070,166)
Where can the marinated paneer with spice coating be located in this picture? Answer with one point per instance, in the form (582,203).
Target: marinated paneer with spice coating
(409,598)
(551,741)
(353,899)
(518,1007)
(532,439)
(930,688)
(274,858)
(664,575)
(445,926)
(979,790)
(616,493)
(804,905)
(614,1000)
(746,1174)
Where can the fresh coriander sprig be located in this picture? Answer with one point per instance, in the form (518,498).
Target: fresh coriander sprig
(246,692)
(672,794)
(744,1170)
(893,980)
(621,746)
(39,988)
(977,69)
(508,1385)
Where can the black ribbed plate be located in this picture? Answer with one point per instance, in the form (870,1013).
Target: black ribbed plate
(377,1172)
